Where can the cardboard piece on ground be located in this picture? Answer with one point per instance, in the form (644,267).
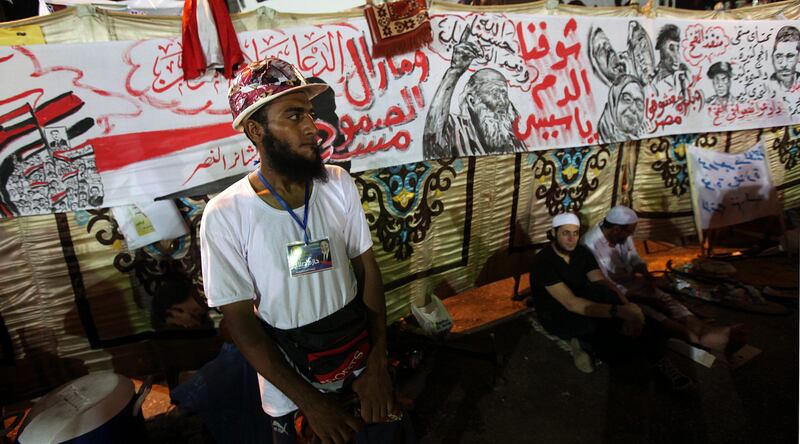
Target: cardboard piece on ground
(743,356)
(697,355)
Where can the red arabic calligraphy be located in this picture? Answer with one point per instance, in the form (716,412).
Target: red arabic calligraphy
(700,44)
(244,155)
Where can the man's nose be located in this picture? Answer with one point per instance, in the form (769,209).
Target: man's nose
(309,127)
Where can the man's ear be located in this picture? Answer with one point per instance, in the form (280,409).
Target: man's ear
(254,129)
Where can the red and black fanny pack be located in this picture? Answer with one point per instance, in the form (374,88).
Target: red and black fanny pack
(330,349)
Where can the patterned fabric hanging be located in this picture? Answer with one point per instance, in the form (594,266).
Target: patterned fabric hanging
(397,26)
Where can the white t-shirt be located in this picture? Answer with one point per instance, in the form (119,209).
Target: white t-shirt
(244,257)
(616,262)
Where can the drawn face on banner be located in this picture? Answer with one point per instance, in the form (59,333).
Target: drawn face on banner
(784,59)
(486,101)
(669,54)
(668,45)
(630,108)
(722,84)
(605,60)
(641,50)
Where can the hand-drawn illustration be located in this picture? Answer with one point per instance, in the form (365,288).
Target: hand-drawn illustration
(607,63)
(624,112)
(784,59)
(720,75)
(485,122)
(640,59)
(42,173)
(629,75)
(672,75)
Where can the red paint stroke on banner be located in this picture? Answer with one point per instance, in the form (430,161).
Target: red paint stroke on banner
(12,131)
(48,112)
(22,110)
(62,106)
(34,150)
(30,170)
(115,152)
(105,120)
(58,196)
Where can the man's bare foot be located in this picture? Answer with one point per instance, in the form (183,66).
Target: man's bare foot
(724,339)
(715,338)
(737,339)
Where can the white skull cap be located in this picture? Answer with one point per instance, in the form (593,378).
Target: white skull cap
(622,215)
(566,219)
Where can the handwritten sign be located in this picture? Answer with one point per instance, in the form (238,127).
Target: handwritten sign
(731,188)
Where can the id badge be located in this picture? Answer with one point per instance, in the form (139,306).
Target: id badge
(309,258)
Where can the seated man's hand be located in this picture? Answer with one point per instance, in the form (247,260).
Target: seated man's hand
(642,270)
(631,312)
(374,390)
(329,422)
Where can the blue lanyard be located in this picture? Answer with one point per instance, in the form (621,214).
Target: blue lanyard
(304,223)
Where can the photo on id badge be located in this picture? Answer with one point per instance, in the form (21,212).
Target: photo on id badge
(309,258)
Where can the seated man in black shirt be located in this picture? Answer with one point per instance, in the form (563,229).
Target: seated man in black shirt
(574,301)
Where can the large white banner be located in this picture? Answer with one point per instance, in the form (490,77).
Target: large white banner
(731,188)
(107,124)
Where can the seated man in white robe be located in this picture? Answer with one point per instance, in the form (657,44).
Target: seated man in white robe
(611,242)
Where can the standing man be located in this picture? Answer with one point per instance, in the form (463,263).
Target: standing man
(611,242)
(308,328)
(574,301)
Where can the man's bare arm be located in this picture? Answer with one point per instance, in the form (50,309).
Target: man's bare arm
(374,386)
(585,307)
(598,276)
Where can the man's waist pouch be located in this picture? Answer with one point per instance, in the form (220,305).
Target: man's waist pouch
(330,349)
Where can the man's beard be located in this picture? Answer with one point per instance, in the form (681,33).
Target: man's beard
(287,163)
(495,128)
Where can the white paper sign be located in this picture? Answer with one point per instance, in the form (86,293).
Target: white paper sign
(148,222)
(731,188)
